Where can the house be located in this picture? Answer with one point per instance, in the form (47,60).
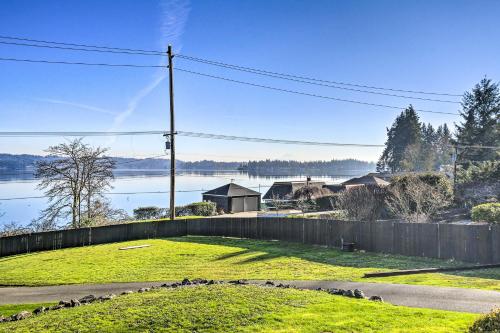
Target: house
(368,180)
(286,191)
(234,198)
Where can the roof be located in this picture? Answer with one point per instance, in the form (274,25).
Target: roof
(334,188)
(286,190)
(366,180)
(232,190)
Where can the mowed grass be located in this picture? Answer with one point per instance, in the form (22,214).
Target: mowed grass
(223,258)
(225,308)
(10,309)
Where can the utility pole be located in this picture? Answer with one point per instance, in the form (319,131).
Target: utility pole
(172,132)
(455,171)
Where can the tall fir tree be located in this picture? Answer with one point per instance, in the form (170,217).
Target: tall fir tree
(403,140)
(480,125)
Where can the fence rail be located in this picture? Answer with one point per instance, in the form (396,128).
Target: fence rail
(469,243)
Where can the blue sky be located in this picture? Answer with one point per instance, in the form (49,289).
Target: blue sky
(441,46)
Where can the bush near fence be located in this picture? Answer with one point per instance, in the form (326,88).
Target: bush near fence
(470,243)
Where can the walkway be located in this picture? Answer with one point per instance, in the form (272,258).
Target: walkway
(442,298)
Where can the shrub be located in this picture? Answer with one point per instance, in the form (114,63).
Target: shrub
(488,212)
(205,208)
(362,203)
(150,212)
(415,198)
(487,323)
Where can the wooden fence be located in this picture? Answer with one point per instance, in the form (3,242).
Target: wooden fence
(470,243)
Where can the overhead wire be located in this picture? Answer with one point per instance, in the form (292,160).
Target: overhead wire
(207,136)
(312,81)
(309,94)
(227,65)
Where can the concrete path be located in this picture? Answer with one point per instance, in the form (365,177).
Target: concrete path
(442,298)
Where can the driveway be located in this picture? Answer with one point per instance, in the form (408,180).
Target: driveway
(441,298)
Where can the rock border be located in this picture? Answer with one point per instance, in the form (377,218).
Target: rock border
(89,299)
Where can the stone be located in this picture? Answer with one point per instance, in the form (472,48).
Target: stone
(107,297)
(87,299)
(165,285)
(56,307)
(238,282)
(75,302)
(127,292)
(376,298)
(65,304)
(358,293)
(269,283)
(21,315)
(199,281)
(349,293)
(175,285)
(2,319)
(39,310)
(186,282)
(143,290)
(210,282)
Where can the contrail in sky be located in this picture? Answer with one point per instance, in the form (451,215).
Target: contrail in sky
(174,18)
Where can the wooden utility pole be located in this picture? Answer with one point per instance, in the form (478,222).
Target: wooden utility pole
(172,132)
(455,172)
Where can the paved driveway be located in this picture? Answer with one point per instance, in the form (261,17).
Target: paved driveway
(442,298)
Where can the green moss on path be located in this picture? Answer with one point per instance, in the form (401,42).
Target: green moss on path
(224,258)
(225,308)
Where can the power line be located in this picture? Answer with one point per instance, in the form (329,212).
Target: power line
(162,53)
(210,136)
(292,78)
(156,52)
(217,63)
(81,63)
(308,94)
(79,49)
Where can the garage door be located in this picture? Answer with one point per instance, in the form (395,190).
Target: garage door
(251,203)
(237,205)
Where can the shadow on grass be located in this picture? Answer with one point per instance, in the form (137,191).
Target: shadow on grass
(252,251)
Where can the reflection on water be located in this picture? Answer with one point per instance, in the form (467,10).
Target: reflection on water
(24,185)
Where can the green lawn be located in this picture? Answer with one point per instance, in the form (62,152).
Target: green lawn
(10,309)
(224,308)
(223,258)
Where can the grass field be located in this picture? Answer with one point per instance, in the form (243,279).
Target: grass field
(10,309)
(223,258)
(224,308)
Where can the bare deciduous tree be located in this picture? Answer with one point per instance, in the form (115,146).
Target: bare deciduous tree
(13,229)
(415,200)
(278,203)
(74,177)
(362,203)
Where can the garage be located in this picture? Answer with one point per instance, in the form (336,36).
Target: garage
(234,198)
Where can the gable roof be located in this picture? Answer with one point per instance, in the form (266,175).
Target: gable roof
(286,190)
(366,180)
(232,190)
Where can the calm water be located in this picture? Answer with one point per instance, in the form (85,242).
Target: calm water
(23,185)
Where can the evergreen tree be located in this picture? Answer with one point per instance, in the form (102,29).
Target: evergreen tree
(403,140)
(480,126)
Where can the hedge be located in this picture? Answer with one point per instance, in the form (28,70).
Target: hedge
(488,212)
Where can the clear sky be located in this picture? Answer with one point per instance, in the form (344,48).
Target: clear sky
(437,46)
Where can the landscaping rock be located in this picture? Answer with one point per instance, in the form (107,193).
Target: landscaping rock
(56,307)
(238,282)
(199,281)
(186,282)
(143,290)
(39,310)
(358,293)
(376,298)
(65,304)
(107,297)
(2,319)
(21,315)
(75,302)
(165,285)
(269,283)
(210,282)
(349,293)
(87,299)
(175,285)
(127,292)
